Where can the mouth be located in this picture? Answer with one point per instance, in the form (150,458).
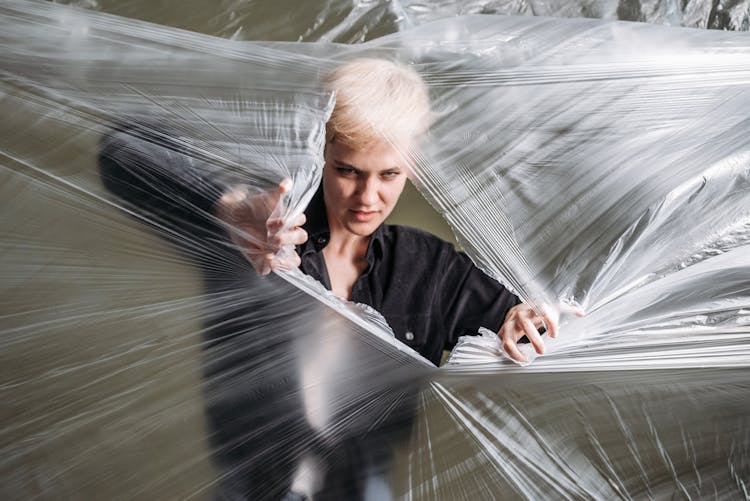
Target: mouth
(364,215)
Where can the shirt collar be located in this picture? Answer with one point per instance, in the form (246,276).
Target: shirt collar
(317,222)
(319,232)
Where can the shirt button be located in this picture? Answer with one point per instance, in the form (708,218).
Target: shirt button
(409,336)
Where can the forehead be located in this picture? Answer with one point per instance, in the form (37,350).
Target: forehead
(382,155)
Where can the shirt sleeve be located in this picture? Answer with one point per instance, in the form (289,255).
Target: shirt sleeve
(471,299)
(160,180)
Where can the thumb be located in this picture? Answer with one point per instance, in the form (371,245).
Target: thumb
(285,186)
(273,197)
(234,196)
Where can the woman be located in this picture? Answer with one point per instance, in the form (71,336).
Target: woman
(428,293)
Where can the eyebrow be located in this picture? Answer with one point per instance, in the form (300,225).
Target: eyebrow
(339,163)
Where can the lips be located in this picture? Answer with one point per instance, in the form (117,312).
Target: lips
(364,215)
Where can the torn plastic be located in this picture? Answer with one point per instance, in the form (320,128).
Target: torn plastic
(579,162)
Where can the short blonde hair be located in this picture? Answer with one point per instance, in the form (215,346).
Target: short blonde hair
(376,100)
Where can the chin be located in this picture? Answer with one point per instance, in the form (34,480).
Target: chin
(363,229)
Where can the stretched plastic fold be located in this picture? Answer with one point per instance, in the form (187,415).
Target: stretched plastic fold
(354,21)
(723,15)
(613,176)
(602,164)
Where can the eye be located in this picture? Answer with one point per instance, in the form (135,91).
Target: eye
(390,174)
(346,171)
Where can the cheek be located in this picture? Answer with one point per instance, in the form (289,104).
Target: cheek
(329,180)
(393,191)
(335,190)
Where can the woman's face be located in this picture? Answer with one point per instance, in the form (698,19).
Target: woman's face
(361,188)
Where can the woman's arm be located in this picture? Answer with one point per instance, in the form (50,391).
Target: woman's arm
(157,177)
(470,298)
(175,191)
(473,300)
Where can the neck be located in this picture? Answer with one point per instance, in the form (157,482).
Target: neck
(347,244)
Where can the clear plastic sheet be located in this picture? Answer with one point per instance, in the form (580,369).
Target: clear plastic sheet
(580,162)
(343,21)
(723,15)
(353,21)
(674,231)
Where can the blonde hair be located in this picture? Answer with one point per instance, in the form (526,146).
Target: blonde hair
(376,100)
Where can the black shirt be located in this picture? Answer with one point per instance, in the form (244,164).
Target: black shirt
(429,293)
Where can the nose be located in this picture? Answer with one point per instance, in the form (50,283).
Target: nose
(368,191)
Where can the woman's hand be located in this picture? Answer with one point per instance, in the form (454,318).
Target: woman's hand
(257,234)
(522,320)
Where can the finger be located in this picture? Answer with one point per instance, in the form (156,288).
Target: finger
(275,224)
(299,220)
(267,263)
(272,197)
(262,267)
(511,348)
(533,335)
(550,322)
(576,310)
(286,263)
(294,237)
(250,245)
(252,253)
(291,261)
